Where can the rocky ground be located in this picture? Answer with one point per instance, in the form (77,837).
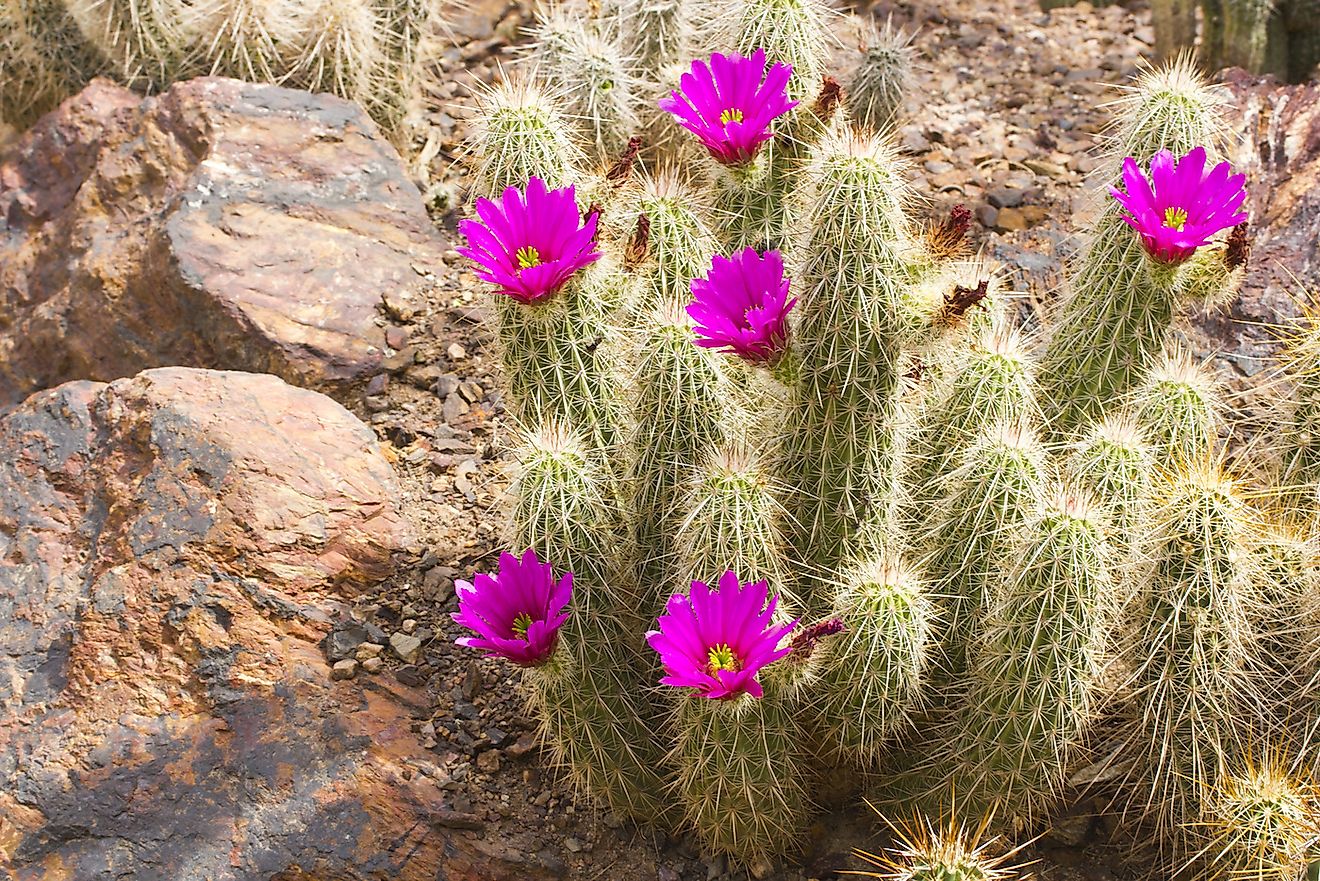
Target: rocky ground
(1010,123)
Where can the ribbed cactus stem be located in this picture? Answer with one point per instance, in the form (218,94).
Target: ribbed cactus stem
(1115,320)
(43,59)
(732,521)
(521,132)
(1179,409)
(840,457)
(680,243)
(739,764)
(749,213)
(585,61)
(794,32)
(1299,437)
(988,383)
(145,40)
(1037,663)
(874,672)
(1263,823)
(883,77)
(995,491)
(679,398)
(1114,463)
(1191,652)
(943,850)
(558,361)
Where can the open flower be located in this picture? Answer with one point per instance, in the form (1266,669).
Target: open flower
(1182,204)
(529,245)
(730,102)
(517,612)
(717,641)
(742,305)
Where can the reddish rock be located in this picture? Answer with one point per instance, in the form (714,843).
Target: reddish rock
(1280,153)
(220,224)
(175,547)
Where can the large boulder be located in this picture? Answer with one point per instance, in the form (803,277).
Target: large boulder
(220,224)
(175,548)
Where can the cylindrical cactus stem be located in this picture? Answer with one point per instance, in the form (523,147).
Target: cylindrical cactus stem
(1116,317)
(1262,822)
(43,59)
(145,40)
(840,450)
(944,850)
(344,48)
(795,32)
(874,672)
(1285,568)
(1037,663)
(732,521)
(988,383)
(739,766)
(1179,409)
(749,214)
(1175,27)
(883,77)
(559,363)
(1246,34)
(657,33)
(253,40)
(987,500)
(521,132)
(1191,685)
(1113,462)
(1299,419)
(679,241)
(584,60)
(679,397)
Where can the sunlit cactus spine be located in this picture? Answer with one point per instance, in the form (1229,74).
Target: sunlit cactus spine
(678,400)
(841,454)
(995,491)
(343,48)
(1114,463)
(679,241)
(147,41)
(1179,409)
(521,131)
(1299,414)
(884,75)
(989,382)
(874,673)
(1036,663)
(44,58)
(943,850)
(1261,823)
(795,32)
(1192,690)
(1115,319)
(584,60)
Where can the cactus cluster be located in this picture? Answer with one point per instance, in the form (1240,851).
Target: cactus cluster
(362,50)
(809,474)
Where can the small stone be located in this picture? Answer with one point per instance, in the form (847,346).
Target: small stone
(716,867)
(455,408)
(411,675)
(446,385)
(1048,169)
(1005,197)
(986,216)
(409,625)
(400,307)
(400,360)
(406,647)
(378,384)
(938,166)
(345,669)
(664,873)
(377,403)
(760,867)
(1010,220)
(396,337)
(542,798)
(525,743)
(573,845)
(472,391)
(369,650)
(489,761)
(372,665)
(456,352)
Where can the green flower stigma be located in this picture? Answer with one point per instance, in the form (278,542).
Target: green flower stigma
(528,257)
(521,625)
(1175,218)
(733,114)
(721,657)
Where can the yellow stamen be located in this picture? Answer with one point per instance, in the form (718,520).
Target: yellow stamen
(528,257)
(521,624)
(1175,218)
(733,114)
(721,657)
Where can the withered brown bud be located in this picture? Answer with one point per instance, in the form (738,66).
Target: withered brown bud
(957,304)
(804,642)
(622,169)
(831,93)
(1239,247)
(639,244)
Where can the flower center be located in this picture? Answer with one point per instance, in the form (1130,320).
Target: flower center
(521,624)
(528,257)
(721,657)
(1175,218)
(733,114)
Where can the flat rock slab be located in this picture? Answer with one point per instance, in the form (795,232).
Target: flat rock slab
(220,224)
(173,549)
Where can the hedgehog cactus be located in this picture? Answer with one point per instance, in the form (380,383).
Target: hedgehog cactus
(1299,473)
(944,850)
(1261,823)
(1178,408)
(883,77)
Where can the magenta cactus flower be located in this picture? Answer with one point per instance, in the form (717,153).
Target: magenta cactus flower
(1182,205)
(730,102)
(717,641)
(517,612)
(742,306)
(529,244)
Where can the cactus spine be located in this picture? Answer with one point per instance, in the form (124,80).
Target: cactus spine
(521,132)
(146,41)
(875,96)
(947,850)
(841,458)
(680,242)
(1037,662)
(875,671)
(1116,318)
(1263,823)
(1191,683)
(996,489)
(1178,408)
(795,32)
(1299,474)
(1113,463)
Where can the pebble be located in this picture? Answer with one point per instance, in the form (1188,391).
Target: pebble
(573,845)
(405,646)
(396,337)
(369,650)
(409,625)
(1005,197)
(664,873)
(526,743)
(987,216)
(456,352)
(1010,220)
(345,669)
(471,391)
(445,385)
(489,761)
(455,408)
(372,665)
